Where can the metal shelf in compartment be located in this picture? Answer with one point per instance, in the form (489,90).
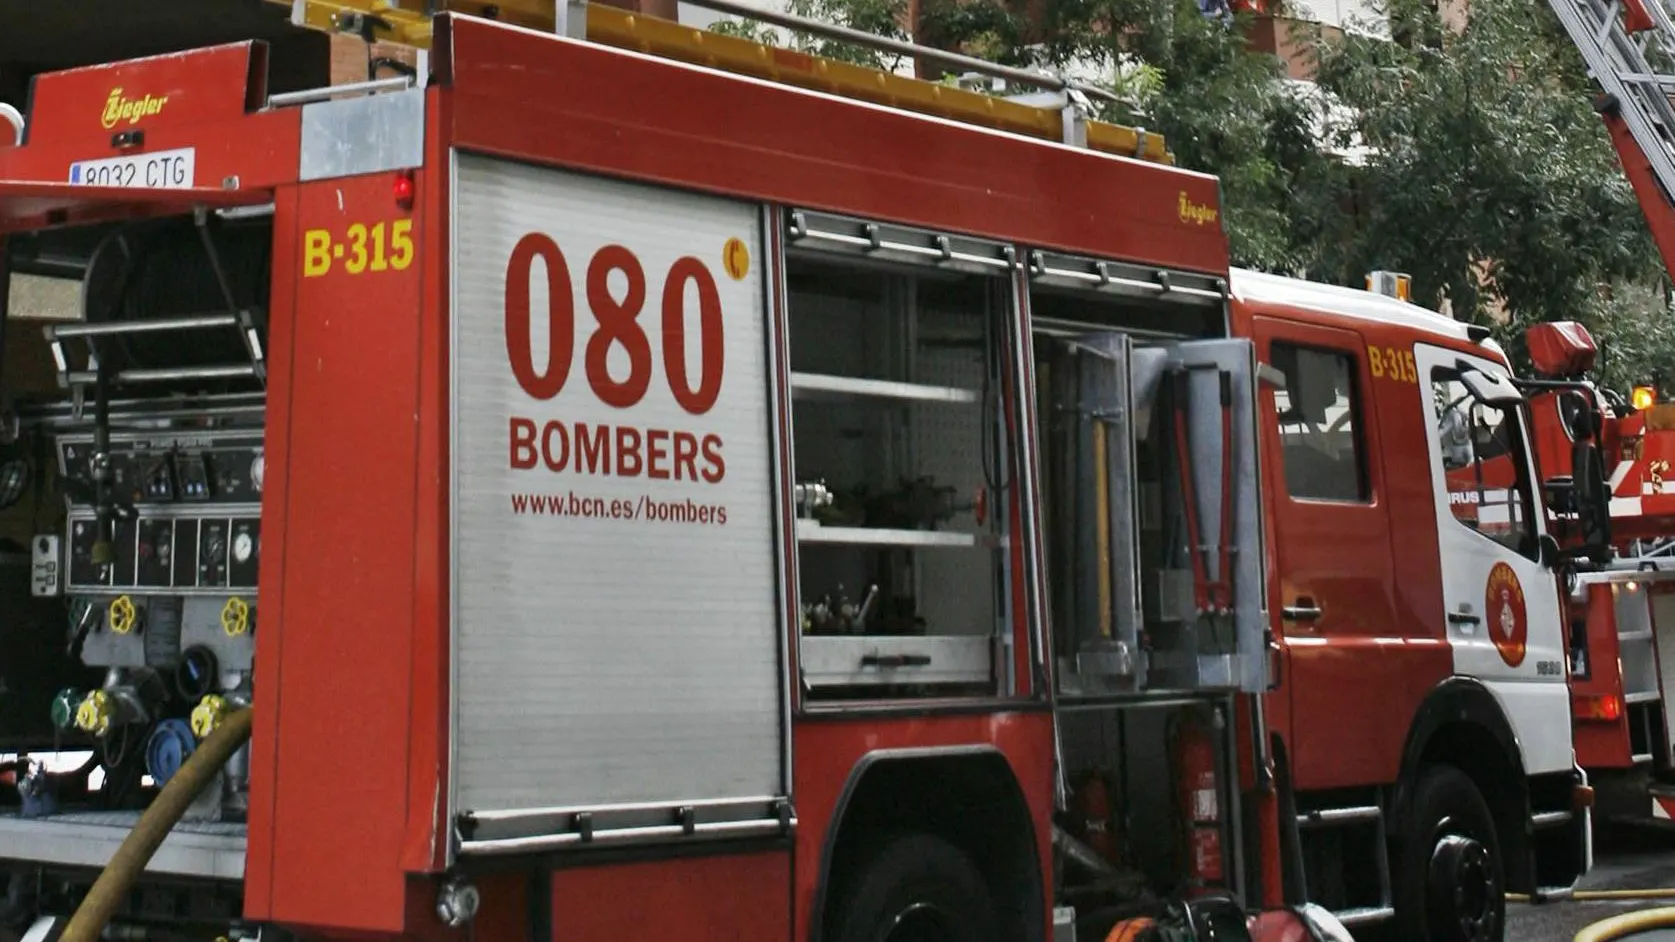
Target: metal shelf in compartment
(871,660)
(826,386)
(813,531)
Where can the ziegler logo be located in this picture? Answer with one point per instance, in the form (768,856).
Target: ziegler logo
(1198,213)
(119,109)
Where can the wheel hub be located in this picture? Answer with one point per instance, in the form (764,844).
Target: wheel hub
(1461,893)
(920,922)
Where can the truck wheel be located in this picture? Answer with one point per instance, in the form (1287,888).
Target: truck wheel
(916,888)
(1450,878)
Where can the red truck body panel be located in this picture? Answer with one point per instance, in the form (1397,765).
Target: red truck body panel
(359,494)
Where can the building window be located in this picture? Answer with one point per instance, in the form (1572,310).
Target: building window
(1319,416)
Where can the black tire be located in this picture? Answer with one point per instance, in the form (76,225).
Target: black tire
(915,888)
(1450,876)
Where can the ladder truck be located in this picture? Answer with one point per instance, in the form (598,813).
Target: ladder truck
(1621,608)
(611,478)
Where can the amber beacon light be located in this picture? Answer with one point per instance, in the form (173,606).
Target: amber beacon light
(1391,284)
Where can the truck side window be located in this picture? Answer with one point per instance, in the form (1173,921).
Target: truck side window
(1483,462)
(1319,424)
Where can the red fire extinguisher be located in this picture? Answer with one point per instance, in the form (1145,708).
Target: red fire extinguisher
(1198,796)
(1096,816)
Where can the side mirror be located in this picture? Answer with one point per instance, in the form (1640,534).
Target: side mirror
(1593,494)
(1490,389)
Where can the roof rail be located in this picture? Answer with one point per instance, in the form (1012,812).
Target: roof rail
(1059,111)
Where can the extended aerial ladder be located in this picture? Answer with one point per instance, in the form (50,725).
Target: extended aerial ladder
(1621,612)
(1629,48)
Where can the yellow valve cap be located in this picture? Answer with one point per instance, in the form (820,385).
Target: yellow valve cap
(1644,397)
(94,713)
(235,617)
(207,715)
(123,615)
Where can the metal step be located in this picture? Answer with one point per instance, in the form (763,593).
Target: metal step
(90,839)
(1353,816)
(1550,819)
(1339,817)
(155,326)
(1365,915)
(164,375)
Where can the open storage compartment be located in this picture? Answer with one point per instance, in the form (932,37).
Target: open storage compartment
(898,343)
(1149,497)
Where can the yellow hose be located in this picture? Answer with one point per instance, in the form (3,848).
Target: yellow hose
(1618,926)
(1595,896)
(154,825)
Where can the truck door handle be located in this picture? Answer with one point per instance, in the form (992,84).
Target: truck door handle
(1463,618)
(1303,610)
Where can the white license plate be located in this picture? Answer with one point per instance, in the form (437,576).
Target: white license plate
(160,170)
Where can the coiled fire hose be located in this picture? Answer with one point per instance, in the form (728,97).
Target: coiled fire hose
(154,825)
(1628,925)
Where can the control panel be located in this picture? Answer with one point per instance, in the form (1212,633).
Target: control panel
(174,470)
(192,514)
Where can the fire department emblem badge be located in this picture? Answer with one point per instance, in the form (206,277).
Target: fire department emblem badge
(1503,603)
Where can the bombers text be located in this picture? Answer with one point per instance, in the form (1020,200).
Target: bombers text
(623,451)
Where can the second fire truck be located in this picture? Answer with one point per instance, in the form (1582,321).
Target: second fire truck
(636,481)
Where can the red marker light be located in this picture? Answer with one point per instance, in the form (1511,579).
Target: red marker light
(1598,707)
(404,189)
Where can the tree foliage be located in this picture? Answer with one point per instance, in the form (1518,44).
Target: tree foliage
(1221,108)
(1480,167)
(1491,179)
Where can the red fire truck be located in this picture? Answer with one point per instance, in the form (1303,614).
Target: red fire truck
(1620,605)
(725,493)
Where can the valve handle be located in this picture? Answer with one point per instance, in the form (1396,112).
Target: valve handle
(94,713)
(207,715)
(235,617)
(123,615)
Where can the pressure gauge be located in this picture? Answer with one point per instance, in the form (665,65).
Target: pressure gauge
(257,467)
(242,545)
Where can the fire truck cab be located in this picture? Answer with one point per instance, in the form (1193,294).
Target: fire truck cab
(642,481)
(1423,667)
